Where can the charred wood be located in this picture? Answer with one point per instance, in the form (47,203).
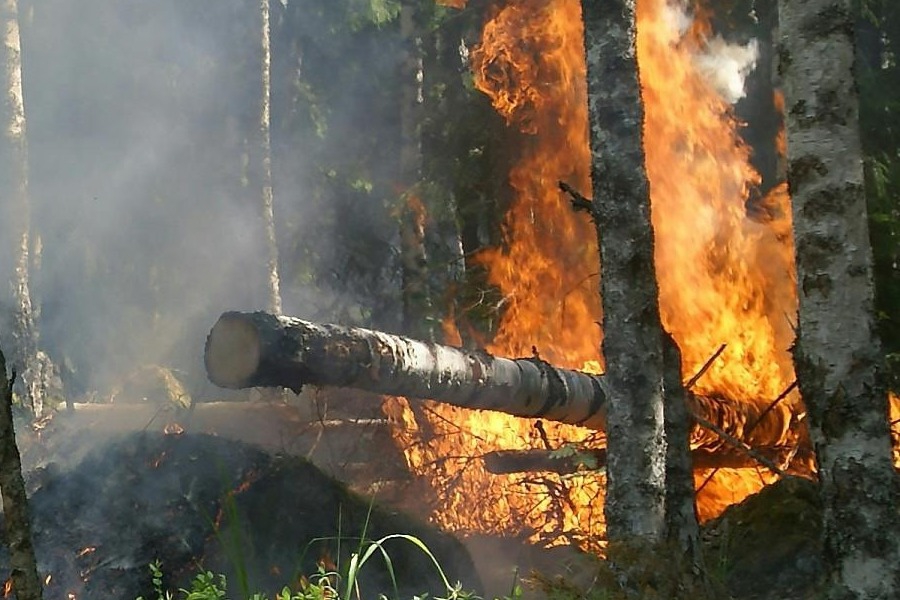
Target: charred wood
(504,462)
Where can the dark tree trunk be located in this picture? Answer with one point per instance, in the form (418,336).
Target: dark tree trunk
(523,461)
(682,526)
(837,352)
(416,292)
(26,584)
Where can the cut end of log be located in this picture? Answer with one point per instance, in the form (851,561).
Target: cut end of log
(233,351)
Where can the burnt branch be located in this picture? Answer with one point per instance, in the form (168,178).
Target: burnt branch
(579,202)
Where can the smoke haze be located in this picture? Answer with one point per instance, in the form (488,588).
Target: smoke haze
(143,178)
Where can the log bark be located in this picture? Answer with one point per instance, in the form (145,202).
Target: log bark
(503,462)
(258,349)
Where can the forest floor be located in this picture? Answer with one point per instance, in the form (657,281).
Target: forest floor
(117,486)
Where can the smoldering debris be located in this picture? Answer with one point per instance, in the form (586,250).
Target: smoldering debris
(197,501)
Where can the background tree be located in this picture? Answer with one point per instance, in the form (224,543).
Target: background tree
(17,314)
(418,319)
(837,353)
(265,159)
(878,74)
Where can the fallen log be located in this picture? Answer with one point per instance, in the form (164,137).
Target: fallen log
(259,350)
(505,462)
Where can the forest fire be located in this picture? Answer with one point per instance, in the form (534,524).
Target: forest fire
(724,279)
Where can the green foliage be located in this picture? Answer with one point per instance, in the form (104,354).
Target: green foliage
(374,12)
(156,575)
(323,585)
(878,38)
(578,453)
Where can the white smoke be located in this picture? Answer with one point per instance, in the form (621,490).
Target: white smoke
(726,66)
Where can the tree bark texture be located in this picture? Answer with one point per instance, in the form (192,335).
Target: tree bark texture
(246,350)
(837,353)
(15,214)
(632,330)
(682,526)
(259,349)
(26,584)
(265,133)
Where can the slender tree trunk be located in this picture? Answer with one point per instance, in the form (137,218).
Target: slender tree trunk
(16,212)
(837,353)
(632,340)
(265,132)
(26,584)
(416,292)
(682,526)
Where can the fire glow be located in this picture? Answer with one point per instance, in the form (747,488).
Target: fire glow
(723,278)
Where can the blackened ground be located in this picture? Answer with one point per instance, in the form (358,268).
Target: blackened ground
(768,546)
(195,501)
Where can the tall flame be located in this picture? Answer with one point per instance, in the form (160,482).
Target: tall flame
(723,279)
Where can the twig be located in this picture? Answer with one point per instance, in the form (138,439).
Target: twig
(705,367)
(579,202)
(771,405)
(539,425)
(753,425)
(738,444)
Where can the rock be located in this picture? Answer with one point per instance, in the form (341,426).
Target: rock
(769,545)
(199,501)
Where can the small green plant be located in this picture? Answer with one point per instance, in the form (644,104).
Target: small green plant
(156,575)
(324,584)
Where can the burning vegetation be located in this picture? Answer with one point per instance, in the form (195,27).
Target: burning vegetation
(724,279)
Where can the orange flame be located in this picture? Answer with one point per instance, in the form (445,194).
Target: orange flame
(723,278)
(894,413)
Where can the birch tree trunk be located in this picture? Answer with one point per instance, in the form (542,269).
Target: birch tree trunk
(246,350)
(837,353)
(632,331)
(16,213)
(265,133)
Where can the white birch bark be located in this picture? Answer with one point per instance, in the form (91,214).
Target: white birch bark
(837,354)
(246,350)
